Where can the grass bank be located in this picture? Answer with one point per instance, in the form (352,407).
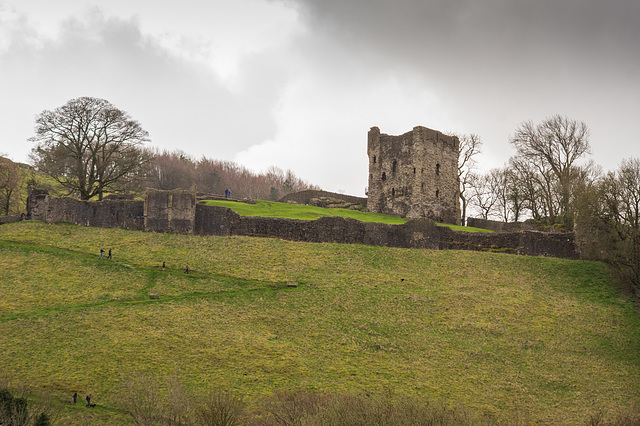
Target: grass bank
(303,212)
(539,339)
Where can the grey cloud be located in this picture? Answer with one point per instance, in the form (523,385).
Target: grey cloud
(482,33)
(495,63)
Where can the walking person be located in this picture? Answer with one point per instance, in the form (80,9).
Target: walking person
(109,256)
(88,398)
(75,397)
(163,265)
(101,253)
(186,269)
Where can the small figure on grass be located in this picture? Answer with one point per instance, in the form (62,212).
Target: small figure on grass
(75,397)
(101,253)
(88,398)
(163,265)
(109,256)
(186,269)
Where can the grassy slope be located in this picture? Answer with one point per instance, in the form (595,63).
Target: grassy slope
(304,212)
(551,342)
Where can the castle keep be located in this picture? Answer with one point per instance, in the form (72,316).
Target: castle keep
(414,175)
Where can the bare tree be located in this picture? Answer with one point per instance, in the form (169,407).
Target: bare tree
(470,147)
(484,192)
(533,186)
(88,146)
(177,169)
(608,220)
(554,147)
(10,181)
(622,200)
(503,186)
(171,170)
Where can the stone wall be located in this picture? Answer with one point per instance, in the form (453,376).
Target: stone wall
(494,225)
(531,243)
(221,221)
(168,211)
(416,233)
(304,197)
(498,226)
(9,219)
(414,175)
(126,214)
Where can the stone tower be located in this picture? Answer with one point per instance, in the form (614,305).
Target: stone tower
(414,174)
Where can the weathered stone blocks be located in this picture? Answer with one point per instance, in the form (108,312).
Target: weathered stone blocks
(414,175)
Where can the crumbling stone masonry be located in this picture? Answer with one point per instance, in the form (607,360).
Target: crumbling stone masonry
(414,175)
(176,211)
(170,211)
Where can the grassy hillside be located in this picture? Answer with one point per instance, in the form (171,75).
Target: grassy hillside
(303,212)
(523,338)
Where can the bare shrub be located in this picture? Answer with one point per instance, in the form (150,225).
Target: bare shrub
(292,408)
(141,400)
(221,408)
(298,409)
(179,408)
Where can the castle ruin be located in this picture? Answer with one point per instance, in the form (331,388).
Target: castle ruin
(414,175)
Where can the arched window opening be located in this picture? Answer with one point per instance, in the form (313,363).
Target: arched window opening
(437,193)
(395,166)
(374,159)
(384,176)
(437,169)
(414,170)
(393,192)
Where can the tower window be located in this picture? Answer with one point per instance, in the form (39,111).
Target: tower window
(414,170)
(374,159)
(393,192)
(384,176)
(437,193)
(395,166)
(437,169)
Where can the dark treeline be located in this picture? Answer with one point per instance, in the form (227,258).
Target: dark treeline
(175,169)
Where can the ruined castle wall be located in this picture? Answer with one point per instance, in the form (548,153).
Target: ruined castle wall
(215,220)
(221,221)
(531,243)
(414,175)
(9,219)
(304,197)
(170,211)
(416,233)
(127,214)
(493,225)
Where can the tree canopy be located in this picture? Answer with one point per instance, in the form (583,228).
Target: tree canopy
(89,146)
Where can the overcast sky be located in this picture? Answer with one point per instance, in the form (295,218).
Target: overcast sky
(298,83)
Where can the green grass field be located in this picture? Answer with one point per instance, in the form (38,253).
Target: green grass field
(303,212)
(526,339)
